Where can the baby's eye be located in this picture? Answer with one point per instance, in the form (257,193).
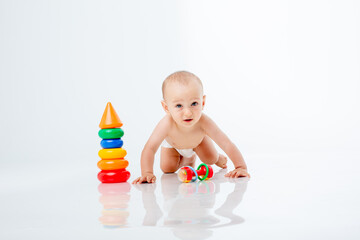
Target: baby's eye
(194,104)
(178,106)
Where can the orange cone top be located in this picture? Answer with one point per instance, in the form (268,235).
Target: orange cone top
(110,119)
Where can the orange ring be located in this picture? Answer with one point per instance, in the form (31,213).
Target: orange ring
(111,164)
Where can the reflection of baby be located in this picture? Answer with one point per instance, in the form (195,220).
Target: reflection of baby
(188,207)
(185,130)
(189,212)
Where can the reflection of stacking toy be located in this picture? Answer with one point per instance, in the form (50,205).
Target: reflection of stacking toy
(112,163)
(189,174)
(114,199)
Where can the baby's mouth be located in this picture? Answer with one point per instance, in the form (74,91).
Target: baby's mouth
(188,120)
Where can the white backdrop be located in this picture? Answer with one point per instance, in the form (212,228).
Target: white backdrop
(280,76)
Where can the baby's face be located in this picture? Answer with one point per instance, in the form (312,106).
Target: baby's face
(184,102)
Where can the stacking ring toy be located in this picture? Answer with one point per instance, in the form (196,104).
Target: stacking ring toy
(189,174)
(112,153)
(113,176)
(112,164)
(111,133)
(111,143)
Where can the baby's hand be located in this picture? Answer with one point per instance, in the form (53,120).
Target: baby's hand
(238,172)
(145,178)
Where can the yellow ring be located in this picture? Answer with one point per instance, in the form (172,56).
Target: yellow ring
(112,153)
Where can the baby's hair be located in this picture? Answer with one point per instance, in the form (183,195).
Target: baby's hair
(182,77)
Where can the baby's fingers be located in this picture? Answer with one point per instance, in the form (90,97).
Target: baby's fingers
(151,179)
(240,174)
(230,174)
(136,180)
(234,173)
(139,180)
(237,173)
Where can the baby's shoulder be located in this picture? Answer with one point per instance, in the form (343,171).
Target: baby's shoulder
(204,118)
(205,121)
(167,121)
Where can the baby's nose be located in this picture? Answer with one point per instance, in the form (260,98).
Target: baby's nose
(187,112)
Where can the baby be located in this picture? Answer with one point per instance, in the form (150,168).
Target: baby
(186,132)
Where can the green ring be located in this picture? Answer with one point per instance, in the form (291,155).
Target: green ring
(111,133)
(207,171)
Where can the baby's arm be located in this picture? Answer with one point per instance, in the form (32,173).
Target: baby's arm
(220,138)
(150,148)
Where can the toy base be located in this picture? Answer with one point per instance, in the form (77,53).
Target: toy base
(113,176)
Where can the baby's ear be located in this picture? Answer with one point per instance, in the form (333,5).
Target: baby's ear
(165,107)
(203,103)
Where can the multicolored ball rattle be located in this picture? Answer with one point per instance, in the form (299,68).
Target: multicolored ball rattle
(189,174)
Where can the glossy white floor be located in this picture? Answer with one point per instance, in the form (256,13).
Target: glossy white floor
(281,79)
(293,196)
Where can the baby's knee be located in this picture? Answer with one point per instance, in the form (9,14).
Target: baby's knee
(167,168)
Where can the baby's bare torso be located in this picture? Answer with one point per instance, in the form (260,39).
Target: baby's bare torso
(188,139)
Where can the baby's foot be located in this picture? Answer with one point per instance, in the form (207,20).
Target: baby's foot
(222,160)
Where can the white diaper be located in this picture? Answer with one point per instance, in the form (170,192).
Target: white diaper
(183,152)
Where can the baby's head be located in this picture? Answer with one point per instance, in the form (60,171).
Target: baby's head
(183,97)
(181,77)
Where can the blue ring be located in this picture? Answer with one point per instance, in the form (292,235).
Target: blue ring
(192,169)
(111,143)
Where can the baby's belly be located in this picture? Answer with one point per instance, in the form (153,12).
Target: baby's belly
(185,144)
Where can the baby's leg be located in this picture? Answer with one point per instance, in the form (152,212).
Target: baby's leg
(187,161)
(208,154)
(171,160)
